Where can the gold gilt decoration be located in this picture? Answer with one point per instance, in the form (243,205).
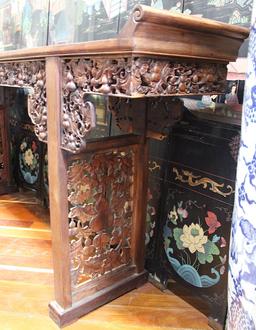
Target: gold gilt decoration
(152,166)
(194,181)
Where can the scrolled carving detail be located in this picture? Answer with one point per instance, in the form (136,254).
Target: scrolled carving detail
(78,117)
(129,77)
(140,76)
(137,13)
(105,76)
(165,77)
(30,75)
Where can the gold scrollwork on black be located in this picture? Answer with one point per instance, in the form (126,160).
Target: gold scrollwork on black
(194,181)
(152,166)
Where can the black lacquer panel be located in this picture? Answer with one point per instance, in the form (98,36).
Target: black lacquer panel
(29,155)
(188,251)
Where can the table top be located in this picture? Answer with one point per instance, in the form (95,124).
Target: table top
(153,33)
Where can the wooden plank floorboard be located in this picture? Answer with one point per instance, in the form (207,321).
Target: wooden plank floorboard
(26,282)
(26,275)
(16,223)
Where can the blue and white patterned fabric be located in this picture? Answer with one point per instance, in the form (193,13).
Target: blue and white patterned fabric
(242,261)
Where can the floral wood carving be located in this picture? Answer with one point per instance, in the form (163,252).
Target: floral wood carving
(32,76)
(100,213)
(162,77)
(141,76)
(131,77)
(194,181)
(79,117)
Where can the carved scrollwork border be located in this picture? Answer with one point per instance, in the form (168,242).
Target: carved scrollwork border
(128,77)
(122,76)
(142,76)
(31,75)
(78,115)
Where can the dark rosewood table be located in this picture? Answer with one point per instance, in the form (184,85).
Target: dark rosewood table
(98,189)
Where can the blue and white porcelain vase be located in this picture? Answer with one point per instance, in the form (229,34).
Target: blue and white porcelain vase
(242,259)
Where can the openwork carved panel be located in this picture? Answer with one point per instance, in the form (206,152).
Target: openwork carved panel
(131,77)
(79,117)
(163,77)
(31,75)
(143,76)
(100,214)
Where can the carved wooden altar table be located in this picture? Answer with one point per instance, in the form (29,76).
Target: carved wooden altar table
(98,189)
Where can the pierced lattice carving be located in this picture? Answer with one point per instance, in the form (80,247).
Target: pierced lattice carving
(79,117)
(130,77)
(31,75)
(100,213)
(144,76)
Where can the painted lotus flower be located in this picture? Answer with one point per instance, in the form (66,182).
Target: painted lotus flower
(193,238)
(195,249)
(29,157)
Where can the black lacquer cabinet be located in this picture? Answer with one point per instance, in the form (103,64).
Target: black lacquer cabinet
(29,155)
(190,202)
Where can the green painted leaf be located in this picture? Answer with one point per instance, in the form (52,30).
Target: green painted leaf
(209,258)
(201,258)
(210,250)
(177,232)
(215,238)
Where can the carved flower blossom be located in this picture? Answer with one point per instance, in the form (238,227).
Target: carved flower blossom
(82,193)
(193,238)
(29,157)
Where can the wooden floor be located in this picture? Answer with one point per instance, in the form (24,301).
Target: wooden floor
(26,282)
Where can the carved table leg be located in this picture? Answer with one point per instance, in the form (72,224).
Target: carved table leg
(107,203)
(97,206)
(58,190)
